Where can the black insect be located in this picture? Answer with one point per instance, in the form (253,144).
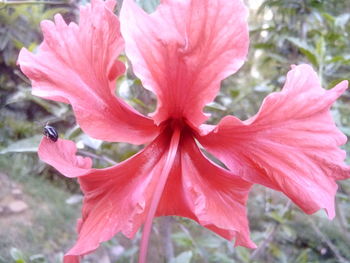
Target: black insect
(51,133)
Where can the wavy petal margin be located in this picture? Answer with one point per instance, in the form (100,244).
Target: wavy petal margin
(117,199)
(184,50)
(217,197)
(290,145)
(78,64)
(207,194)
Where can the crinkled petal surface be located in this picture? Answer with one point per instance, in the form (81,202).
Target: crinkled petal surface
(78,64)
(216,197)
(183,50)
(117,199)
(290,145)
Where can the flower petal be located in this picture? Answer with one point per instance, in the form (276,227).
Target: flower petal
(290,145)
(207,194)
(77,64)
(62,155)
(183,51)
(217,197)
(116,199)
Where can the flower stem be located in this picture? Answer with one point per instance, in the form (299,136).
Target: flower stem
(175,139)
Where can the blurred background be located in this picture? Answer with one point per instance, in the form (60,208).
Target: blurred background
(39,207)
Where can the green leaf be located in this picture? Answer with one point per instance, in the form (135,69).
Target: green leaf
(306,50)
(72,132)
(288,231)
(265,46)
(335,82)
(216,106)
(234,93)
(303,257)
(342,20)
(138,102)
(20,95)
(90,142)
(243,254)
(17,255)
(276,216)
(182,239)
(335,59)
(275,250)
(50,12)
(320,48)
(329,18)
(57,109)
(276,57)
(26,145)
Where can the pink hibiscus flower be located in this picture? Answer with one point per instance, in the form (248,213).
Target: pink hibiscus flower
(181,52)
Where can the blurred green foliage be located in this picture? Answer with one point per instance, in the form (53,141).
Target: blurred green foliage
(283,32)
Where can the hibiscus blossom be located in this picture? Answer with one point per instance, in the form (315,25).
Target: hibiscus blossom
(181,52)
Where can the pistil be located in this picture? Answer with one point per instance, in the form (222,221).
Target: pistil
(170,158)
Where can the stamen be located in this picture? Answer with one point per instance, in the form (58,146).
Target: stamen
(158,194)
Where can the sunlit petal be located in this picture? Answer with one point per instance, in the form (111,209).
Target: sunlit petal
(183,51)
(291,145)
(78,64)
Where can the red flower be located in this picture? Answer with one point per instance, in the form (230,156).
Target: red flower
(181,52)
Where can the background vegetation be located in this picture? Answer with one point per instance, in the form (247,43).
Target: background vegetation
(39,207)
